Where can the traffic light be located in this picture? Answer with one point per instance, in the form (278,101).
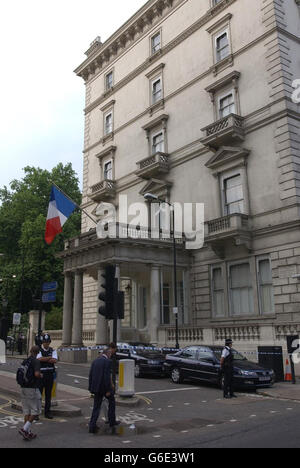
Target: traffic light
(119,305)
(107,296)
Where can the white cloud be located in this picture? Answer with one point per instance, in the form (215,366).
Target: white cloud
(42,42)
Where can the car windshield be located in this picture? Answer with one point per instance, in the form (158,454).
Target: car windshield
(236,356)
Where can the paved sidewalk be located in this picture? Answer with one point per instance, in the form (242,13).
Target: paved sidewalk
(66,396)
(282,390)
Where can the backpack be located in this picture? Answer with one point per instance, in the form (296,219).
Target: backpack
(25,373)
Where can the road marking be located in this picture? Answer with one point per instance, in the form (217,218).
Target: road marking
(187,404)
(3,409)
(252,416)
(10,421)
(147,400)
(77,377)
(170,390)
(126,441)
(133,417)
(157,437)
(233,420)
(184,432)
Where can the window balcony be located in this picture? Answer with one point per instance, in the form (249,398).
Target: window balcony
(231,230)
(153,165)
(225,131)
(103,190)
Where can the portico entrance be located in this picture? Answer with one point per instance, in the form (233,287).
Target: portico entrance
(144,269)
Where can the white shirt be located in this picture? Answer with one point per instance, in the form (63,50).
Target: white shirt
(225,352)
(54,356)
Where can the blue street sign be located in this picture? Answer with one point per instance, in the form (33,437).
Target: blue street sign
(49,297)
(50,286)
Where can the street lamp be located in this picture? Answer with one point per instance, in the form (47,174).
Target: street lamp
(151,197)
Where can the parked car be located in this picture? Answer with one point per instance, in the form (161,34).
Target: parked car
(148,360)
(202,363)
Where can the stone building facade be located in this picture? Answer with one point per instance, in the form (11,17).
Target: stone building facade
(192,101)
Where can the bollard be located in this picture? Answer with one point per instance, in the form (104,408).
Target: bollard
(126,378)
(2,352)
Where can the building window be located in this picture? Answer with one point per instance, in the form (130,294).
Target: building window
(241,290)
(215,2)
(109,78)
(156,90)
(218,297)
(265,285)
(155,43)
(108,123)
(108,174)
(233,194)
(158,145)
(226,105)
(222,46)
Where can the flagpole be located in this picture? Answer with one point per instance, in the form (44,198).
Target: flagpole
(76,204)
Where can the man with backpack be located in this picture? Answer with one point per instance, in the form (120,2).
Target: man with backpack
(28,377)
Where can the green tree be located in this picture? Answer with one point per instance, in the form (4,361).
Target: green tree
(27,260)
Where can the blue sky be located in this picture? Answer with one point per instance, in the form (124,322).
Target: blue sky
(42,100)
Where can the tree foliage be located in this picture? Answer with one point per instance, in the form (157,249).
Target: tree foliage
(27,261)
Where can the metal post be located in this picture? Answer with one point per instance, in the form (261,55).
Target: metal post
(115,332)
(175,279)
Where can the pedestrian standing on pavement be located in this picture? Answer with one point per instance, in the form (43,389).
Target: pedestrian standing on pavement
(48,358)
(30,393)
(227,360)
(20,343)
(101,385)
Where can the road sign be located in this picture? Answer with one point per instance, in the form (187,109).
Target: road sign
(50,286)
(16,319)
(49,297)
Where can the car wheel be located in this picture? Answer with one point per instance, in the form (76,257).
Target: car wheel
(137,371)
(176,375)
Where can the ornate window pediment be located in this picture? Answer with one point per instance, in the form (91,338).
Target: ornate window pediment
(227,158)
(161,188)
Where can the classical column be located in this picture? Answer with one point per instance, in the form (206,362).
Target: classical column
(78,309)
(67,311)
(154,303)
(102,323)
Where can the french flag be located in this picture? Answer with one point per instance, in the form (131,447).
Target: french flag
(59,210)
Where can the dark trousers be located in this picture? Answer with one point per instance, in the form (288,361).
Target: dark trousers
(47,384)
(98,398)
(228,381)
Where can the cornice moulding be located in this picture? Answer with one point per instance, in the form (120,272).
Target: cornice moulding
(219,23)
(125,36)
(108,105)
(94,62)
(155,70)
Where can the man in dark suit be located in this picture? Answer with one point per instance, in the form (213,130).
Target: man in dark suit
(100,384)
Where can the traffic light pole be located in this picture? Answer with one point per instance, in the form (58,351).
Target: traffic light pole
(113,306)
(115,339)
